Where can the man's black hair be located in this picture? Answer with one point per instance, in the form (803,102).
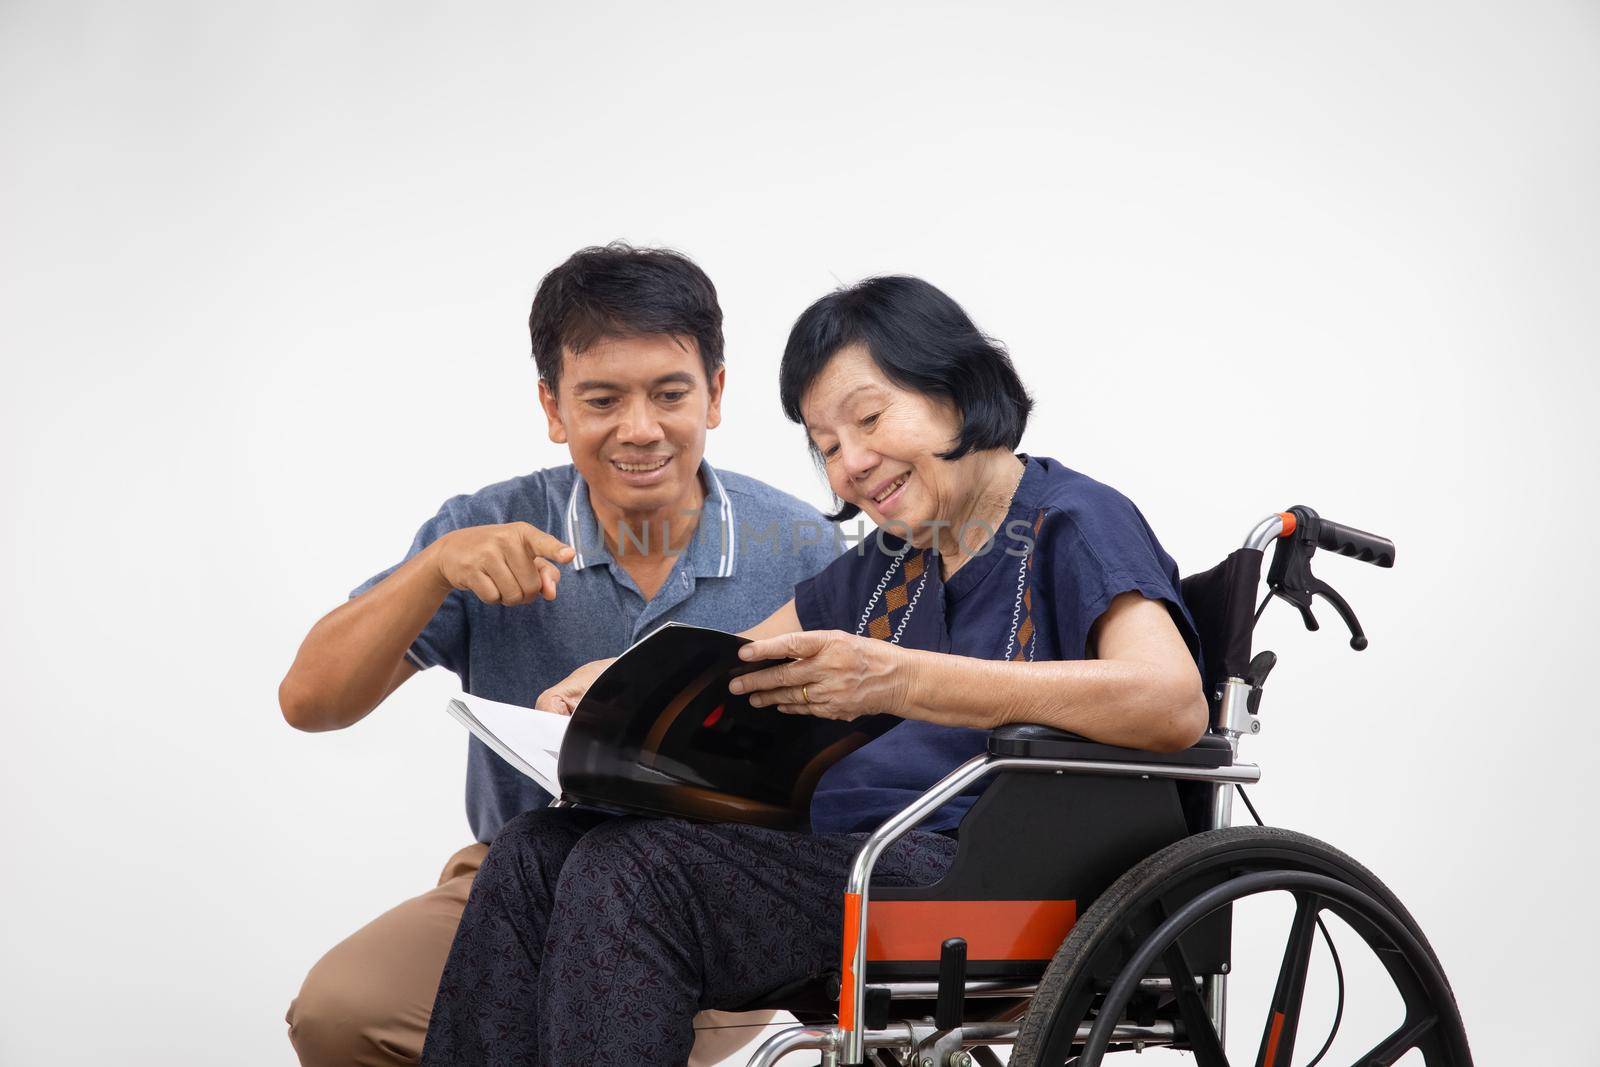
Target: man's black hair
(621,291)
(921,340)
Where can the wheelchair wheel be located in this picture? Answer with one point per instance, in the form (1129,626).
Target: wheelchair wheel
(1139,924)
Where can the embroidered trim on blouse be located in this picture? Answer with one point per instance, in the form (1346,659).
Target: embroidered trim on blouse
(1016,609)
(895,597)
(1023,631)
(910,607)
(866,613)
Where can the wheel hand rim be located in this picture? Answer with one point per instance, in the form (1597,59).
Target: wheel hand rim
(1319,887)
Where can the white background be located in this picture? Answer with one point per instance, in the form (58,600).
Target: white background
(265,279)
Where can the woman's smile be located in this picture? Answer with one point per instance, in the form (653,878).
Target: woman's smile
(887,499)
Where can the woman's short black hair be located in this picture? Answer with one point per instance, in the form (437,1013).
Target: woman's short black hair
(621,291)
(921,340)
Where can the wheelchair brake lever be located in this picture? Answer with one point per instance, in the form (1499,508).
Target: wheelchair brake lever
(1318,587)
(1301,599)
(952,989)
(1314,586)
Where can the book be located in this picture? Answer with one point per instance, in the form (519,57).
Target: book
(528,739)
(658,733)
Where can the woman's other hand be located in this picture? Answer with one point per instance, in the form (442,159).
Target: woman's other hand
(832,674)
(563,697)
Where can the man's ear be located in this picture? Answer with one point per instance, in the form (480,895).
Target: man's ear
(552,411)
(714,411)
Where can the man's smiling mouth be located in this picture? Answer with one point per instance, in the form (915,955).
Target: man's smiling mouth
(643,466)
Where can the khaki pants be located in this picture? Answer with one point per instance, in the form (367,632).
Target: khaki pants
(367,1001)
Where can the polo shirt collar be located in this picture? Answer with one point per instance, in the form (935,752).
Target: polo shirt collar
(711,552)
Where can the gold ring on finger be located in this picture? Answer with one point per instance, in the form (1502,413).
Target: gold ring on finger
(805,697)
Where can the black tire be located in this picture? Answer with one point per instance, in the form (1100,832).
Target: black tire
(1137,902)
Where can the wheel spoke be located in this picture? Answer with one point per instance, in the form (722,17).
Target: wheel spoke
(1197,1027)
(1283,1020)
(1398,1043)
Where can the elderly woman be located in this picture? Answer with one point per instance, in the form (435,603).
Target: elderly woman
(999,588)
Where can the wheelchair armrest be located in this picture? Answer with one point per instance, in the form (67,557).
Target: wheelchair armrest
(1044,742)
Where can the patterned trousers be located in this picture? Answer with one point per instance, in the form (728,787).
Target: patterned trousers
(592,940)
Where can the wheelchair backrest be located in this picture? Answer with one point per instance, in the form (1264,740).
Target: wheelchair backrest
(1222,604)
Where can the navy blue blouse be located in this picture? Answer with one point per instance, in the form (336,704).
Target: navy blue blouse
(1067,547)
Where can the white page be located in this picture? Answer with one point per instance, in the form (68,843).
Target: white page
(527,739)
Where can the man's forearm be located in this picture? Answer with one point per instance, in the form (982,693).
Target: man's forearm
(349,661)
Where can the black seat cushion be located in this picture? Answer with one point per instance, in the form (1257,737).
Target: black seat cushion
(1044,742)
(818,995)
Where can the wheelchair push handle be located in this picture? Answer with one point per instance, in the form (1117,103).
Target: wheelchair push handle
(1357,544)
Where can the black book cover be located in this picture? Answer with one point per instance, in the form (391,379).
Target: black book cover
(658,732)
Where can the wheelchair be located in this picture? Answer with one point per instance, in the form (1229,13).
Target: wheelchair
(1089,907)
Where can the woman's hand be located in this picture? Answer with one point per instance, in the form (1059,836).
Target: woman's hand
(834,675)
(563,697)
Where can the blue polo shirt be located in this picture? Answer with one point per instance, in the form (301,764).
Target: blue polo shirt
(1067,547)
(752,546)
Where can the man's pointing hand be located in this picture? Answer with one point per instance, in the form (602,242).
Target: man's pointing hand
(512,563)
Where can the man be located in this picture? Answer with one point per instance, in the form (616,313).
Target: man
(514,586)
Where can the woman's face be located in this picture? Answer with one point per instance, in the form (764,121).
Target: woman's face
(879,445)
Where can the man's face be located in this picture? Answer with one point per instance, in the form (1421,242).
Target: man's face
(633,412)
